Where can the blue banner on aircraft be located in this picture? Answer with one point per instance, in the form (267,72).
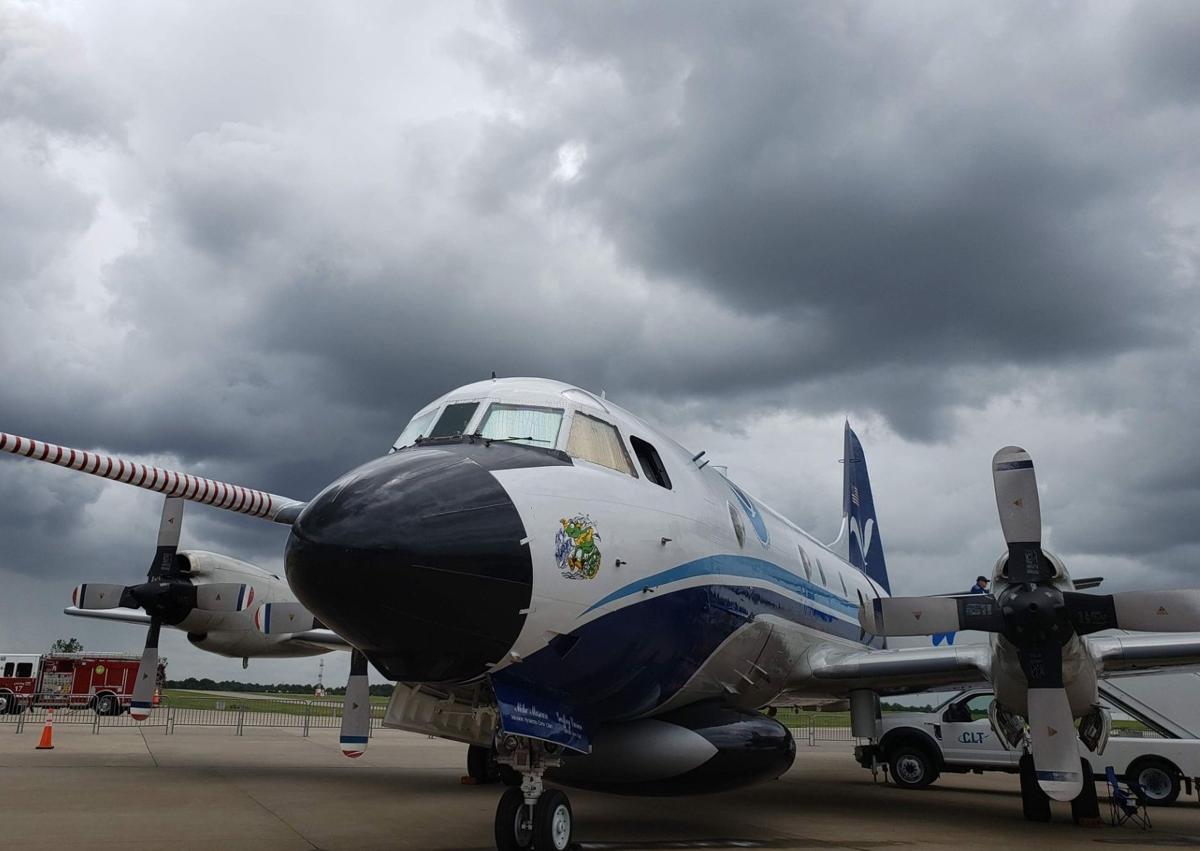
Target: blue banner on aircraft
(526,713)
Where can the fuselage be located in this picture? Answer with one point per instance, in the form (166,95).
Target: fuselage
(529,531)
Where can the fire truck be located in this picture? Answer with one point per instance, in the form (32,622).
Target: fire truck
(102,682)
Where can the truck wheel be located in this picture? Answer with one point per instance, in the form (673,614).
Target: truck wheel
(7,703)
(106,704)
(1154,780)
(912,767)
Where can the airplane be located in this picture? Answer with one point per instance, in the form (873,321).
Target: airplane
(560,585)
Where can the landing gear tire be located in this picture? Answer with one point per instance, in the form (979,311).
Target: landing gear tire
(481,765)
(1085,809)
(912,767)
(1155,781)
(552,822)
(514,828)
(1034,802)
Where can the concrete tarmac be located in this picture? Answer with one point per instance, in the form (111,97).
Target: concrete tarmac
(271,789)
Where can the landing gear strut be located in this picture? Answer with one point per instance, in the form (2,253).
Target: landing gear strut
(1034,802)
(531,816)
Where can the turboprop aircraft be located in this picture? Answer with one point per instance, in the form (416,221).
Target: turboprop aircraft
(560,585)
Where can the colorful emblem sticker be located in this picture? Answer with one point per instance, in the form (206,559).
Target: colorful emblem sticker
(575,548)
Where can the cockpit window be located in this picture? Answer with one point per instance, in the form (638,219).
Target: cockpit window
(418,427)
(454,419)
(596,441)
(522,424)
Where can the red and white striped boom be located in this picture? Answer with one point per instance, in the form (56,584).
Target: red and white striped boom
(223,495)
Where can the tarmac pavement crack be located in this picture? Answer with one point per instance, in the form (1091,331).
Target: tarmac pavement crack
(312,845)
(149,750)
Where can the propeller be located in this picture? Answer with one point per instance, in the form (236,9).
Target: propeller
(284,619)
(162,571)
(356,710)
(1038,618)
(168,595)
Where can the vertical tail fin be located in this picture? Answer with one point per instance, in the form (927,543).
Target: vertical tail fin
(860,539)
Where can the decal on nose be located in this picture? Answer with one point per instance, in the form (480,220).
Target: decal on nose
(416,559)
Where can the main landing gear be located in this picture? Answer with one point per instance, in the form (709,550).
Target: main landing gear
(531,816)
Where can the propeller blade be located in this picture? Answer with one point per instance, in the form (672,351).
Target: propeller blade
(94,596)
(1145,611)
(147,676)
(356,710)
(283,619)
(931,615)
(169,529)
(1020,515)
(224,597)
(915,615)
(1052,738)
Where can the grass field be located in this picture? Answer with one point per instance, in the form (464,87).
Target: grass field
(285,704)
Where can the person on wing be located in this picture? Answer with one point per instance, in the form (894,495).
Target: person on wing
(980,586)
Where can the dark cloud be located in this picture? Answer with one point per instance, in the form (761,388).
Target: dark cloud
(252,248)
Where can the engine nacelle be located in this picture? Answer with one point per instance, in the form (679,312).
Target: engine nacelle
(201,568)
(701,748)
(253,644)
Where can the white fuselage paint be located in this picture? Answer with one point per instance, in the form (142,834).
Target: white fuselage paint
(646,530)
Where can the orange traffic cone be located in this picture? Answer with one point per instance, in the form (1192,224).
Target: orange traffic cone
(157,699)
(47,742)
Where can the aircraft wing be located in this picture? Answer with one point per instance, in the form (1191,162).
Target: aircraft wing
(1140,653)
(901,671)
(322,637)
(120,615)
(222,495)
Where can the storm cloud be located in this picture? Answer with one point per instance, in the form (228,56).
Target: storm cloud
(250,241)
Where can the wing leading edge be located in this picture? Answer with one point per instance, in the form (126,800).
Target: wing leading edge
(902,671)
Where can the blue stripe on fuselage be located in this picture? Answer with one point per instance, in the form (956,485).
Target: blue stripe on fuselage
(734,565)
(633,659)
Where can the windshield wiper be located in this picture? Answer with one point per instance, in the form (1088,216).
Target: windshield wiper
(487,441)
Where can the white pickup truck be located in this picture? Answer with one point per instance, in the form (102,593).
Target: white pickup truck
(1154,760)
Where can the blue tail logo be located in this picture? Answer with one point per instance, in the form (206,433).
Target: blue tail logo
(858,507)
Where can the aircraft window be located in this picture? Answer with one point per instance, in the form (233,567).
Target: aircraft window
(738,529)
(522,424)
(417,427)
(821,573)
(805,563)
(8,669)
(454,419)
(652,464)
(24,669)
(596,441)
(845,592)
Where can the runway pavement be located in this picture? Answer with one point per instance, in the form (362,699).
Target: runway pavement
(273,789)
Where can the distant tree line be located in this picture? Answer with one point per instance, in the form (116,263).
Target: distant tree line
(205,684)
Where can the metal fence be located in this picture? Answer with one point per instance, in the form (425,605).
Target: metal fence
(237,714)
(813,727)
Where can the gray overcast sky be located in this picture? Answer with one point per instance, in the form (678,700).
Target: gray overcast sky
(249,240)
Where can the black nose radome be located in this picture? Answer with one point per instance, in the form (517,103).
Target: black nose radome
(417,559)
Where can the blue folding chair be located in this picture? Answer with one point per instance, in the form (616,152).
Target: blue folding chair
(1124,805)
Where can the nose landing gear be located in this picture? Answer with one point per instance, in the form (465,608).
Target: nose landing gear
(531,816)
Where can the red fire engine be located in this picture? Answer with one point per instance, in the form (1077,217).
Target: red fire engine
(99,681)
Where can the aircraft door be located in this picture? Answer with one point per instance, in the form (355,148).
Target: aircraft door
(967,736)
